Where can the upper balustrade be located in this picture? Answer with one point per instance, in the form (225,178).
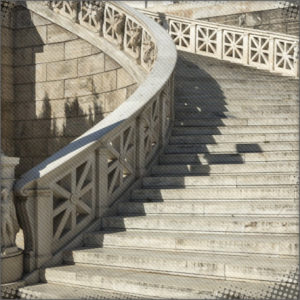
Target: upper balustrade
(67,192)
(274,52)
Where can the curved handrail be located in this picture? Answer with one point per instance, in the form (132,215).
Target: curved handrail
(271,51)
(156,79)
(66,192)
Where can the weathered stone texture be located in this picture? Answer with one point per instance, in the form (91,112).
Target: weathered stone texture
(77,48)
(123,78)
(105,82)
(49,53)
(110,64)
(7,92)
(49,90)
(23,56)
(62,70)
(63,85)
(79,86)
(58,34)
(29,37)
(91,64)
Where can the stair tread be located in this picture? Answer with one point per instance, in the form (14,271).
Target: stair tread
(188,285)
(63,291)
(263,262)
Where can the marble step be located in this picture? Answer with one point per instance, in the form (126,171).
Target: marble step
(185,93)
(208,224)
(251,179)
(65,291)
(238,158)
(273,207)
(218,193)
(234,138)
(233,102)
(251,167)
(270,245)
(148,284)
(237,83)
(219,266)
(237,121)
(223,107)
(232,148)
(179,115)
(228,130)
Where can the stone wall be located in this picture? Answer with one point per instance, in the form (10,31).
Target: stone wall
(63,86)
(277,20)
(7,93)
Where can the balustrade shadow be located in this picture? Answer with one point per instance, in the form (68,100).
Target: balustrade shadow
(202,99)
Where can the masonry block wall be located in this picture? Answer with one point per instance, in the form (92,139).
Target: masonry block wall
(62,87)
(7,90)
(277,20)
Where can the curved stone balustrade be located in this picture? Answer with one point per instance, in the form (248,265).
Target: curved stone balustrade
(270,51)
(69,191)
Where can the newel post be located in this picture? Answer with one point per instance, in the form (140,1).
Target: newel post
(11,256)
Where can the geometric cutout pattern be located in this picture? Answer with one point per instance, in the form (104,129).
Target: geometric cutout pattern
(73,199)
(121,160)
(149,51)
(133,38)
(206,42)
(285,55)
(180,33)
(259,50)
(150,128)
(233,45)
(91,15)
(65,8)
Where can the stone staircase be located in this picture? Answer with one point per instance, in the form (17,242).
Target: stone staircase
(218,217)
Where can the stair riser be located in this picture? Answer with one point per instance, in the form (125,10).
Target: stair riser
(196,84)
(222,107)
(240,75)
(232,147)
(122,284)
(237,122)
(275,208)
(249,115)
(215,193)
(230,245)
(221,180)
(235,130)
(240,158)
(187,94)
(271,208)
(192,266)
(234,138)
(201,224)
(225,169)
(210,101)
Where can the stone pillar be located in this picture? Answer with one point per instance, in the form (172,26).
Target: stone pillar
(11,256)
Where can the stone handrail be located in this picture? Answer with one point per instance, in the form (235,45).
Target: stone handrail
(274,52)
(63,195)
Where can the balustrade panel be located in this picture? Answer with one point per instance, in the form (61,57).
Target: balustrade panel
(285,56)
(181,33)
(260,51)
(207,41)
(74,200)
(270,51)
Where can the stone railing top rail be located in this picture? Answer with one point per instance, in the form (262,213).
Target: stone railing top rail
(275,52)
(150,38)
